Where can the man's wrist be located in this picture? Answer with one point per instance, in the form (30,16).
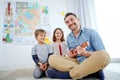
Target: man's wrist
(88,54)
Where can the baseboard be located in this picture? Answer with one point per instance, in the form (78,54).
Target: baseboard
(15,67)
(115,60)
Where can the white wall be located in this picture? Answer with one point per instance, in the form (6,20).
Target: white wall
(108,18)
(19,56)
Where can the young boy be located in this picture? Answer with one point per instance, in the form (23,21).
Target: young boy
(40,54)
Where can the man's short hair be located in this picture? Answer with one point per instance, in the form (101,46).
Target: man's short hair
(70,13)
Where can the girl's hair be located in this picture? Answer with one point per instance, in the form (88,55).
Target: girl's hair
(54,38)
(38,31)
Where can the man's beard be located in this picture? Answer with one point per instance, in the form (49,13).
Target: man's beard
(75,26)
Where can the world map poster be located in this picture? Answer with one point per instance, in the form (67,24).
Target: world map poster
(28,17)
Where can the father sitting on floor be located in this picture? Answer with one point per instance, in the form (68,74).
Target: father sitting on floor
(89,62)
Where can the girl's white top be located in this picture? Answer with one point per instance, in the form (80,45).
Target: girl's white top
(56,48)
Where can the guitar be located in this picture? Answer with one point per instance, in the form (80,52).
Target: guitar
(8,14)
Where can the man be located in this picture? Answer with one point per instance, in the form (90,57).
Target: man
(90,61)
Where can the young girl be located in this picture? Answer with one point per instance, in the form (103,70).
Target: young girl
(59,45)
(59,48)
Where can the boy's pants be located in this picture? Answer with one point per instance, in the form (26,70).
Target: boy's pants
(37,72)
(97,61)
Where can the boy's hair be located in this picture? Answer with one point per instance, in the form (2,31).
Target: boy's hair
(69,13)
(54,38)
(38,31)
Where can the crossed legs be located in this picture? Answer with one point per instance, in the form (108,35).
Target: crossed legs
(98,61)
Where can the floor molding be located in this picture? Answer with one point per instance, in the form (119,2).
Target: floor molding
(16,67)
(115,60)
